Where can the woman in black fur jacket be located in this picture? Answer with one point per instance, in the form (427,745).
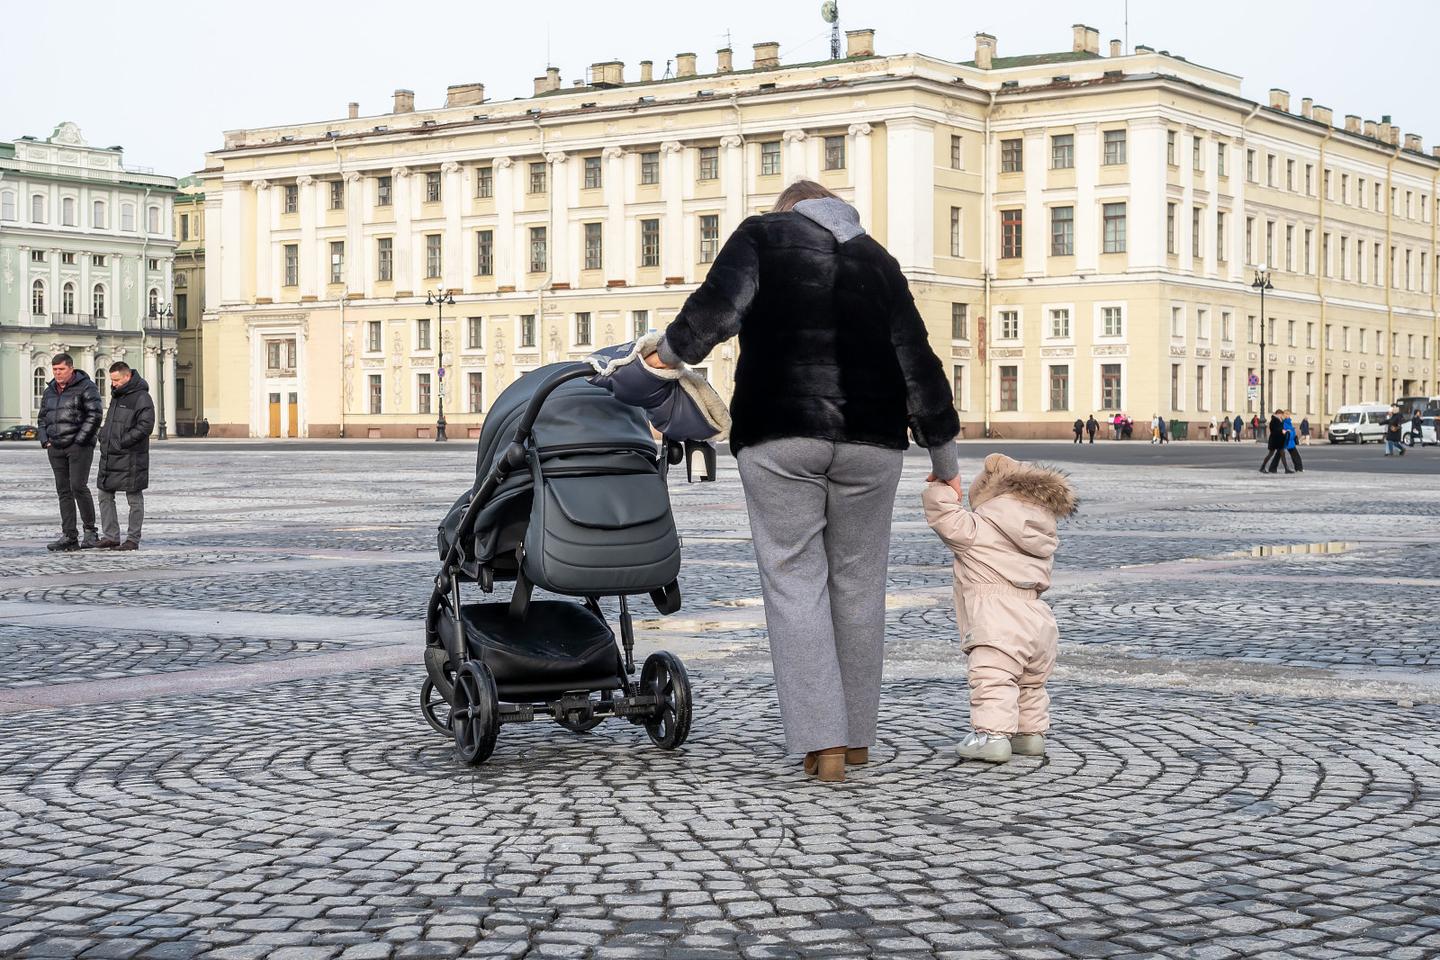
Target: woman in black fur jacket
(835,368)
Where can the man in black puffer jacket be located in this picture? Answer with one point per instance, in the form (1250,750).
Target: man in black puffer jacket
(69,423)
(125,455)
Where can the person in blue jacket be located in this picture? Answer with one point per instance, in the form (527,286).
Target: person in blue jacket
(1290,445)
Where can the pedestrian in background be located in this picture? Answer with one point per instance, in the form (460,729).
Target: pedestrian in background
(1275,446)
(1417,429)
(1154,428)
(1290,445)
(1164,430)
(1305,431)
(1092,425)
(1239,426)
(1214,429)
(69,422)
(1394,424)
(125,456)
(1079,427)
(1224,429)
(1117,423)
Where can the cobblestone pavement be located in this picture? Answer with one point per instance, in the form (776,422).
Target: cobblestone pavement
(211,746)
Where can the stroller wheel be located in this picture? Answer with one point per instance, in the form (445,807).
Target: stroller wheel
(475,714)
(434,708)
(664,676)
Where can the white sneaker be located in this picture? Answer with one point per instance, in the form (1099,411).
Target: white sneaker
(990,747)
(1028,744)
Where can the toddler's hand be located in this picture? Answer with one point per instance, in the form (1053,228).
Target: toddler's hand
(953,483)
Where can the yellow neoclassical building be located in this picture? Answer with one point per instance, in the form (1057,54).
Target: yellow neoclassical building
(1081,229)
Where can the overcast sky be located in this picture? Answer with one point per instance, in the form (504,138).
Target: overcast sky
(164,78)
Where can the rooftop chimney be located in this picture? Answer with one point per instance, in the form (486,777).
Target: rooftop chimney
(1435,152)
(464,94)
(860,43)
(549,82)
(684,64)
(1371,130)
(1279,99)
(1307,105)
(647,71)
(354,109)
(1142,48)
(1413,142)
(1116,49)
(984,50)
(404,101)
(767,55)
(610,73)
(1385,130)
(1084,39)
(1352,123)
(1324,115)
(724,60)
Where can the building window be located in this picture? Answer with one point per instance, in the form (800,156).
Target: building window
(475,381)
(1202,323)
(1269,169)
(422,393)
(1011,222)
(1009,325)
(639,323)
(1220,159)
(1250,165)
(957,386)
(1227,326)
(537,250)
(957,152)
(484,253)
(1177,322)
(650,243)
(709,236)
(709,163)
(97,301)
(337,261)
(1060,323)
(527,331)
(37,256)
(37,388)
(292,264)
(382,191)
(432,186)
(650,167)
(1012,156)
(432,255)
(1060,387)
(1062,231)
(67,299)
(7,205)
(1175,387)
(770,158)
(593,246)
(593,176)
(537,177)
(184,220)
(1220,236)
(153,263)
(376,391)
(1290,175)
(67,258)
(484,182)
(37,208)
(1062,151)
(959,321)
(67,211)
(422,335)
(474,333)
(154,308)
(835,153)
(292,198)
(1195,250)
(1112,322)
(127,217)
(1200,387)
(1170,228)
(1114,231)
(1309,179)
(279,355)
(337,194)
(954,231)
(386,259)
(1009,392)
(582,330)
(372,336)
(1114,147)
(1195,148)
(1290,247)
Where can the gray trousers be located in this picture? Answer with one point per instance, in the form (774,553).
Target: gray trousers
(820,517)
(110,522)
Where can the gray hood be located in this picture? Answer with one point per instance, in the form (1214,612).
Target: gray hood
(834,215)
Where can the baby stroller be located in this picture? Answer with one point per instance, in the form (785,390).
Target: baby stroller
(569,497)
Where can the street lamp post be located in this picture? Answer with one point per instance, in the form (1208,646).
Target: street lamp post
(438,299)
(161,317)
(1262,283)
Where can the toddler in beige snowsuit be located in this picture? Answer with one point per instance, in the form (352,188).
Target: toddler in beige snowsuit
(1004,548)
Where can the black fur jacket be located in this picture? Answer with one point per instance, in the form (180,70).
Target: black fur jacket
(831,344)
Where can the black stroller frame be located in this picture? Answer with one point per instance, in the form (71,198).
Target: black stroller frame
(660,699)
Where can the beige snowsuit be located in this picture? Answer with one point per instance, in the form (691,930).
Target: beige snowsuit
(1004,548)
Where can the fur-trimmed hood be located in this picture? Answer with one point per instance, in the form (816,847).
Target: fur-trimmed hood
(1023,501)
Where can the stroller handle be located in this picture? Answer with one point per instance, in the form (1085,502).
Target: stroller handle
(514,456)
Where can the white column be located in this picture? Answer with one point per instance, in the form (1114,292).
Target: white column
(53,302)
(505,248)
(617,251)
(1239,255)
(558,234)
(232,258)
(794,147)
(84,297)
(400,198)
(672,231)
(1187,202)
(910,192)
(1087,217)
(314,272)
(167,370)
(355,256)
(213,220)
(1207,220)
(861,173)
(1035,220)
(452,241)
(1145,215)
(22,302)
(733,167)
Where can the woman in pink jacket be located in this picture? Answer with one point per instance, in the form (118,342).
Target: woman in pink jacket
(1004,548)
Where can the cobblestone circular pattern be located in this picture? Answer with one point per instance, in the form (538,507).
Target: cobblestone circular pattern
(325,820)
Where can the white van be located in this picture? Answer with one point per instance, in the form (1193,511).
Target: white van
(1359,423)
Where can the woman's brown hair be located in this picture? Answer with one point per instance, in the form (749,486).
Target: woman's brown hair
(797,191)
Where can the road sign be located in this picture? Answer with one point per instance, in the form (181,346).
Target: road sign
(1253,392)
(1254,380)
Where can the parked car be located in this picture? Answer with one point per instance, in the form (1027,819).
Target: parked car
(1359,423)
(22,431)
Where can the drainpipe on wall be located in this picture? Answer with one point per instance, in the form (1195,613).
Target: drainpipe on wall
(549,244)
(1388,264)
(744,179)
(144,249)
(1244,122)
(345,293)
(985,251)
(1320,279)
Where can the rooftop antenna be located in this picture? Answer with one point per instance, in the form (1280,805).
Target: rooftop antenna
(548,64)
(830,13)
(1127,27)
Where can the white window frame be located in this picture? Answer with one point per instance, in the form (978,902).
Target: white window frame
(484,389)
(479,348)
(1019,364)
(380,325)
(575,330)
(1097,386)
(1099,320)
(519,338)
(1046,335)
(998,334)
(415,336)
(415,392)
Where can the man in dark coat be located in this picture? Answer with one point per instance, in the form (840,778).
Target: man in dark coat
(1092,425)
(125,455)
(1079,427)
(1278,440)
(1239,428)
(69,422)
(1394,430)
